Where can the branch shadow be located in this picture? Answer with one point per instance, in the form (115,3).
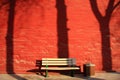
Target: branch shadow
(105,31)
(62,30)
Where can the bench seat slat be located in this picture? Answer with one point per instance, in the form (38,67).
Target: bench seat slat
(60,68)
(57,64)
(58,59)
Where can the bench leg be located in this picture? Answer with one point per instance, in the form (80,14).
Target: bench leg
(72,73)
(46,73)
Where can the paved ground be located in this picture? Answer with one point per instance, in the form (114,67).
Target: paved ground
(98,76)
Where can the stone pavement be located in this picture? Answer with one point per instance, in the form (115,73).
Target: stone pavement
(98,76)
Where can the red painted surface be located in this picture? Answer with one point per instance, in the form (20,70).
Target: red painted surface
(42,28)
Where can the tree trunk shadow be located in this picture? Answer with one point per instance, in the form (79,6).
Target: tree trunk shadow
(62,30)
(9,38)
(9,41)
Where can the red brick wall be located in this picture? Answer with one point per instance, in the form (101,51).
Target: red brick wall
(62,28)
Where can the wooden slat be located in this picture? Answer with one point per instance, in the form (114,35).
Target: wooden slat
(58,63)
(62,61)
(60,68)
(56,59)
(55,64)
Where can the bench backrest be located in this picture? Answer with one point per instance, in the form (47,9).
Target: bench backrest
(58,61)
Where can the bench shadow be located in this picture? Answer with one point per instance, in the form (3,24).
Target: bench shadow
(38,65)
(87,77)
(38,70)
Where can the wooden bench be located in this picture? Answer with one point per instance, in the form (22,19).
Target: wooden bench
(59,64)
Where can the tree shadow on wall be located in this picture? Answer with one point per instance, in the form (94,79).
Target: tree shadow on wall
(105,31)
(9,41)
(9,38)
(62,30)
